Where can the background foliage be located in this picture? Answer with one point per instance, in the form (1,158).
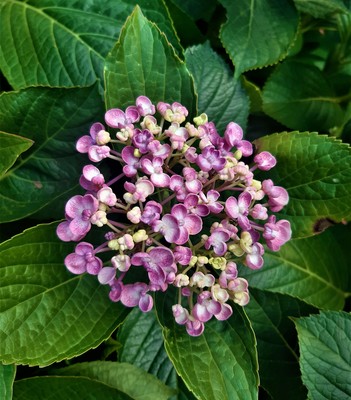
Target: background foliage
(282,70)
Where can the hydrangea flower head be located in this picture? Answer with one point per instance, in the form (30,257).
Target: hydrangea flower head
(183,211)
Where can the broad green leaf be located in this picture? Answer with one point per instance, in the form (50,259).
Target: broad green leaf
(196,9)
(220,96)
(258,32)
(59,388)
(46,313)
(11,146)
(314,269)
(48,173)
(316,171)
(325,354)
(127,378)
(320,8)
(64,43)
(142,345)
(299,96)
(269,314)
(7,376)
(208,363)
(144,63)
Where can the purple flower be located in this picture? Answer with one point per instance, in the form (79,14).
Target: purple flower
(210,199)
(116,118)
(79,209)
(276,233)
(172,113)
(206,307)
(180,314)
(133,162)
(91,178)
(182,255)
(85,142)
(152,212)
(239,209)
(178,135)
(135,294)
(192,203)
(83,260)
(144,106)
(189,224)
(265,161)
(233,136)
(210,158)
(154,169)
(192,184)
(159,263)
(98,153)
(218,240)
(278,196)
(141,140)
(254,259)
(194,327)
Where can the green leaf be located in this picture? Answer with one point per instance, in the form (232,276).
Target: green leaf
(275,333)
(314,269)
(258,33)
(325,354)
(316,171)
(142,341)
(125,377)
(220,96)
(46,313)
(299,96)
(208,363)
(64,43)
(59,388)
(320,8)
(144,63)
(7,377)
(49,172)
(11,146)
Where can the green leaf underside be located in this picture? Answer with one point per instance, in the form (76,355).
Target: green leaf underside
(320,8)
(78,34)
(58,388)
(314,269)
(220,96)
(142,345)
(316,171)
(258,33)
(299,96)
(325,354)
(11,146)
(49,171)
(127,378)
(275,333)
(208,363)
(47,313)
(144,63)
(7,377)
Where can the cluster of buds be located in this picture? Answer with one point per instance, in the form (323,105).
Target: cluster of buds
(190,211)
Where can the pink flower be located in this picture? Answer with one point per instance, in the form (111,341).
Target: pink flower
(154,169)
(83,260)
(210,199)
(189,224)
(276,233)
(194,327)
(209,159)
(192,203)
(135,294)
(172,113)
(239,209)
(159,263)
(116,118)
(265,161)
(142,139)
(152,212)
(180,314)
(233,136)
(254,259)
(133,162)
(218,240)
(144,106)
(85,142)
(206,307)
(178,135)
(91,179)
(138,192)
(182,255)
(278,196)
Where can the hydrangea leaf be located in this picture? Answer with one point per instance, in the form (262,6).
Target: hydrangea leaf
(208,363)
(220,96)
(7,377)
(269,314)
(49,171)
(144,63)
(142,345)
(11,146)
(46,313)
(325,354)
(314,269)
(65,387)
(320,8)
(79,35)
(300,97)
(258,33)
(127,378)
(316,171)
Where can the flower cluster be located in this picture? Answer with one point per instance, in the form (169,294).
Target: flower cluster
(189,212)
